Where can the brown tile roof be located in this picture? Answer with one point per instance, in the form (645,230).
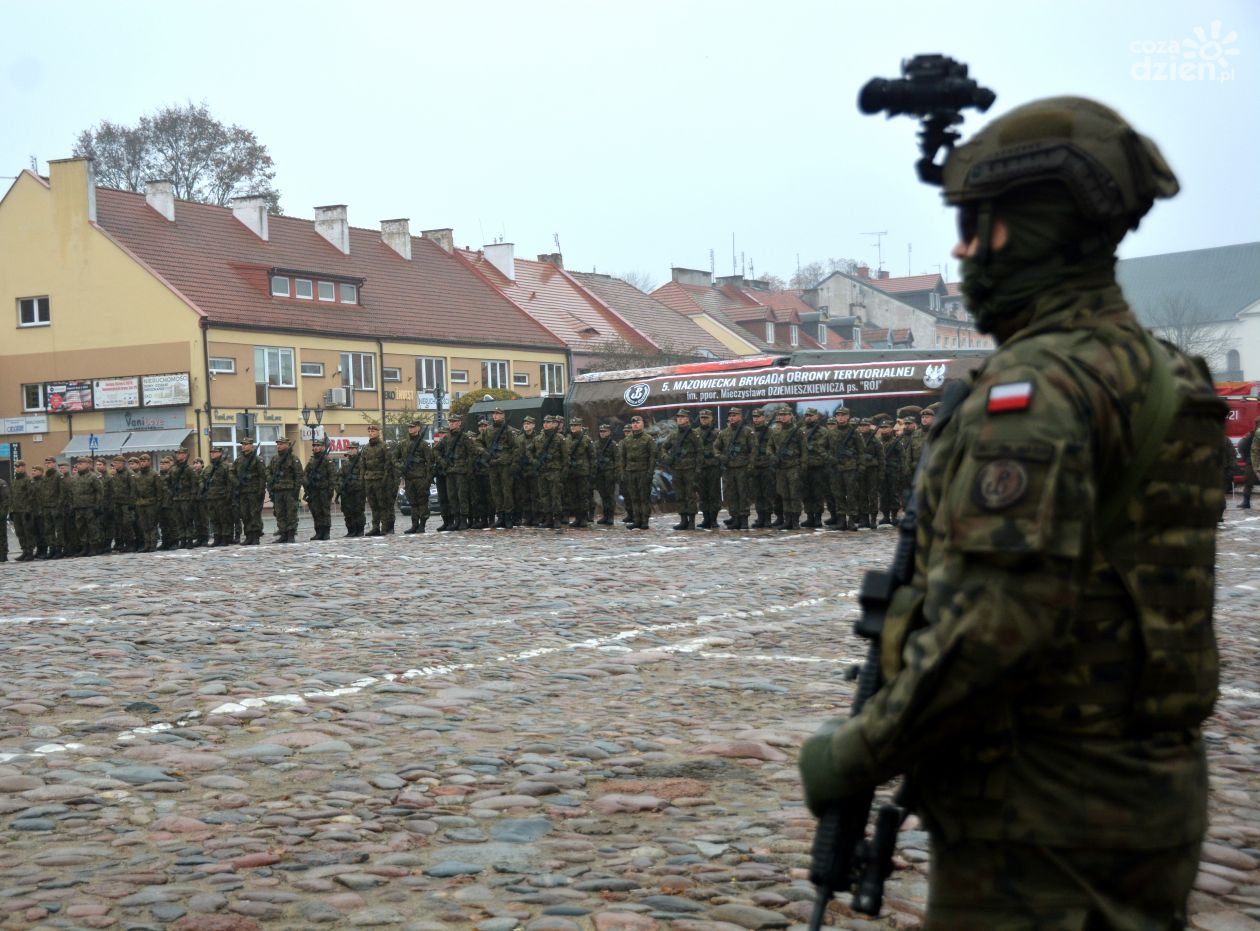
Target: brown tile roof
(693,300)
(659,322)
(908,284)
(953,289)
(219,265)
(550,297)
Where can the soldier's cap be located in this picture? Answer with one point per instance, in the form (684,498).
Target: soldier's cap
(185,452)
(705,412)
(247,440)
(499,410)
(883,420)
(636,419)
(133,459)
(576,422)
(605,428)
(198,460)
(682,412)
(910,410)
(373,428)
(144,456)
(626,428)
(166,459)
(482,422)
(416,423)
(783,412)
(757,412)
(843,412)
(831,420)
(930,410)
(812,411)
(19,463)
(52,459)
(115,459)
(318,442)
(280,439)
(529,418)
(453,416)
(735,412)
(37,468)
(219,449)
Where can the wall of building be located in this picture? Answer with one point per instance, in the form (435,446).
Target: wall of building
(845,297)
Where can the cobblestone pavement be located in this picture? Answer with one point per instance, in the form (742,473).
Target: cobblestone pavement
(553,731)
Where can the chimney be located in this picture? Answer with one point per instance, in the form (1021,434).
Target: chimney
(73,183)
(736,281)
(160,195)
(692,276)
(502,256)
(862,271)
(252,211)
(397,235)
(331,223)
(444,237)
(552,258)
(881,274)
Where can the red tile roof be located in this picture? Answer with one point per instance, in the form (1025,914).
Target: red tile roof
(555,301)
(953,289)
(659,322)
(694,300)
(220,266)
(909,283)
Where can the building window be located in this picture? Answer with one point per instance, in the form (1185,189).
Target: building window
(552,378)
(1233,361)
(266,440)
(494,374)
(430,373)
(349,294)
(224,438)
(33,311)
(304,288)
(794,335)
(327,291)
(312,369)
(358,370)
(520,379)
(222,365)
(33,397)
(459,377)
(279,286)
(822,334)
(390,373)
(273,368)
(769,331)
(934,301)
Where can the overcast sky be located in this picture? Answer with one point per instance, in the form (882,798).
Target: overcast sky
(643,133)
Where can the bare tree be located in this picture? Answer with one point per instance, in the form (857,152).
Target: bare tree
(205,160)
(1184,322)
(808,275)
(641,280)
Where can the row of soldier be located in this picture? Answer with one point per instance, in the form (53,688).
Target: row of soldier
(490,476)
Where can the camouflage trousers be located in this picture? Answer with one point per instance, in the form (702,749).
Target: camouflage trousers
(551,495)
(50,520)
(417,497)
(320,505)
(458,495)
(501,489)
(868,496)
(577,495)
(787,483)
(380,498)
(738,485)
(85,528)
(762,491)
(524,493)
(890,495)
(284,508)
(199,521)
(220,513)
(354,511)
(685,496)
(815,484)
(989,886)
(124,524)
(168,523)
(637,488)
(147,522)
(251,512)
(709,486)
(26,525)
(844,492)
(606,486)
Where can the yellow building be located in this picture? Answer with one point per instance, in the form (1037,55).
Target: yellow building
(142,323)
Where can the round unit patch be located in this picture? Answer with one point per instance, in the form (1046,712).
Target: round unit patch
(637,393)
(1000,484)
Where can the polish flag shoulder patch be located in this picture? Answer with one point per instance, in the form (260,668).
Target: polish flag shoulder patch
(1014,396)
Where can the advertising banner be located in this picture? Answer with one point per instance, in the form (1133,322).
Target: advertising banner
(116,392)
(31,423)
(69,396)
(165,390)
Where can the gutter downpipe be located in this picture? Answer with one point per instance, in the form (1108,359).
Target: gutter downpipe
(380,374)
(205,361)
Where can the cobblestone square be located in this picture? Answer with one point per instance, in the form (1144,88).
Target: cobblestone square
(536,729)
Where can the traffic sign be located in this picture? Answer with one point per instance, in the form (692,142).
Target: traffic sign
(94,442)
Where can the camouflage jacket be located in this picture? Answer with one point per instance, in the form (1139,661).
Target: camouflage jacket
(1046,684)
(637,453)
(787,447)
(607,456)
(50,490)
(817,444)
(320,477)
(350,478)
(502,445)
(708,438)
(216,481)
(250,474)
(581,455)
(284,474)
(23,495)
(683,450)
(761,453)
(735,447)
(415,458)
(148,486)
(124,489)
(848,448)
(550,453)
(86,491)
(183,482)
(374,456)
(456,452)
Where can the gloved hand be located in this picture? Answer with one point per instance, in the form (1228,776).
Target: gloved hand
(820,774)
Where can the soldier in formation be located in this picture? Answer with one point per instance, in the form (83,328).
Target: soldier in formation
(682,453)
(709,474)
(318,484)
(606,473)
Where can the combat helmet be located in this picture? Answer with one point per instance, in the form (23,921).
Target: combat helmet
(1113,173)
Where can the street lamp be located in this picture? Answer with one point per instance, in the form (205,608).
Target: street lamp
(306,418)
(438,395)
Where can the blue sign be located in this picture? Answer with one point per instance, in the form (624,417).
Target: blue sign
(6,450)
(94,442)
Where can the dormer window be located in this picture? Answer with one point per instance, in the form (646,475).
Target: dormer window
(794,335)
(307,285)
(349,294)
(304,289)
(327,291)
(279,286)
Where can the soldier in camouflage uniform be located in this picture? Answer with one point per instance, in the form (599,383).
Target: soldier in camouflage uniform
(25,511)
(735,447)
(284,483)
(709,475)
(317,488)
(183,486)
(50,487)
(1050,664)
(415,465)
(606,473)
(457,451)
(482,501)
(894,468)
(815,476)
(200,517)
(681,454)
(636,462)
(105,512)
(4,520)
(503,454)
(352,493)
(579,468)
(217,486)
(65,510)
(376,473)
(761,470)
(549,457)
(168,517)
(250,474)
(524,483)
(789,453)
(847,449)
(148,485)
(871,474)
(85,499)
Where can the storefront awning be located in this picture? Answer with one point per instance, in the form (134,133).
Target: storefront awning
(157,441)
(108,444)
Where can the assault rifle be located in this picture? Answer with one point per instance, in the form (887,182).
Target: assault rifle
(843,858)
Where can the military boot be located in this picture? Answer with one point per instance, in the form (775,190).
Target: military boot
(580,520)
(833,520)
(871,521)
(682,522)
(607,519)
(776,522)
(640,525)
(375,531)
(709,522)
(415,525)
(1246,501)
(423,520)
